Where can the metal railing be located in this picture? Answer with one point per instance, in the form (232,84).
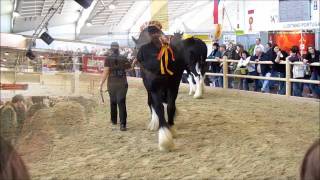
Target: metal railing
(287,78)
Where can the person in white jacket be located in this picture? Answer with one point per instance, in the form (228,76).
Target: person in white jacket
(244,62)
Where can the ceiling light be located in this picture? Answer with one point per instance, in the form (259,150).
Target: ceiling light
(112,6)
(6,54)
(89,24)
(15,14)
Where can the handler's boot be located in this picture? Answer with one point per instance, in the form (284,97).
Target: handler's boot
(123,127)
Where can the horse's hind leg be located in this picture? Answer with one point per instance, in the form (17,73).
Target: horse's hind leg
(165,136)
(192,86)
(195,71)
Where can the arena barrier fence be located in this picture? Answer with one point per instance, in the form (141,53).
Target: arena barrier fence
(287,78)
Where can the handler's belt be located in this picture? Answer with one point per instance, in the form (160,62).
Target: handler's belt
(163,57)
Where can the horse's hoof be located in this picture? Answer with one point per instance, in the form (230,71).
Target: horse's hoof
(165,140)
(197,96)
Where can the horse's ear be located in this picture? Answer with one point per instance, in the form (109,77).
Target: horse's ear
(134,40)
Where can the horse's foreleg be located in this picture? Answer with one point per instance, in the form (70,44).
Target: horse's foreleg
(171,109)
(154,123)
(165,136)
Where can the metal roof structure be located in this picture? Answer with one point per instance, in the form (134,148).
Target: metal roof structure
(102,18)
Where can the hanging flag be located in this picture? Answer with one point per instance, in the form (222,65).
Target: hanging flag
(216,11)
(159,12)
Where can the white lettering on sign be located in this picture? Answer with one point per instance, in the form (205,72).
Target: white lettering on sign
(303,25)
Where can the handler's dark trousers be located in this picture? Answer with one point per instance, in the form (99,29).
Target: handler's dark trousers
(118,98)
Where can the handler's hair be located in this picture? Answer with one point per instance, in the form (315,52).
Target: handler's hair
(11,164)
(310,168)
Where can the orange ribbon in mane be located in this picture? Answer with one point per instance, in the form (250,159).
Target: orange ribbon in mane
(163,57)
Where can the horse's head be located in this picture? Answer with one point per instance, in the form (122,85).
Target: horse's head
(176,38)
(149,34)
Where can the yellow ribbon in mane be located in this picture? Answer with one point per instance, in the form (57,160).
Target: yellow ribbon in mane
(164,56)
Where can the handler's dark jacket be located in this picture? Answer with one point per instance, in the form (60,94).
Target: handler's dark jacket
(117,65)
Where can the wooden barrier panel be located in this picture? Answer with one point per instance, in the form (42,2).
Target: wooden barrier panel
(287,79)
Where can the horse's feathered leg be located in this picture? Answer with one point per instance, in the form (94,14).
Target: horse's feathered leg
(165,136)
(171,109)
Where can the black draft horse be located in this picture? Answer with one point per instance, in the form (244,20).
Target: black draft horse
(162,66)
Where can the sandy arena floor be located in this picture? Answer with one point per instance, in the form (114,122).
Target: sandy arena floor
(226,135)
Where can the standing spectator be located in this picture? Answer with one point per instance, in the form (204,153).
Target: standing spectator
(238,52)
(268,46)
(311,57)
(258,45)
(279,70)
(12,118)
(244,63)
(37,104)
(223,52)
(298,70)
(214,66)
(259,55)
(266,69)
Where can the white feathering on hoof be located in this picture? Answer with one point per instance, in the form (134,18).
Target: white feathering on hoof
(165,139)
(165,109)
(173,131)
(198,93)
(154,123)
(192,87)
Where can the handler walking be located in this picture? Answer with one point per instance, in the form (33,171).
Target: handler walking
(114,72)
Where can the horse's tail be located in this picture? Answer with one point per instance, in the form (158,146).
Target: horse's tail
(203,57)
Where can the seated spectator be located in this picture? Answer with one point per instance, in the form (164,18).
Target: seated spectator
(298,70)
(310,168)
(12,166)
(311,57)
(12,118)
(279,70)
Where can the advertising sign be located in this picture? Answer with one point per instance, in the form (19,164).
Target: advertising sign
(286,39)
(93,64)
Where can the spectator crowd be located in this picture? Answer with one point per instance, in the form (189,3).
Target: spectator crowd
(268,52)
